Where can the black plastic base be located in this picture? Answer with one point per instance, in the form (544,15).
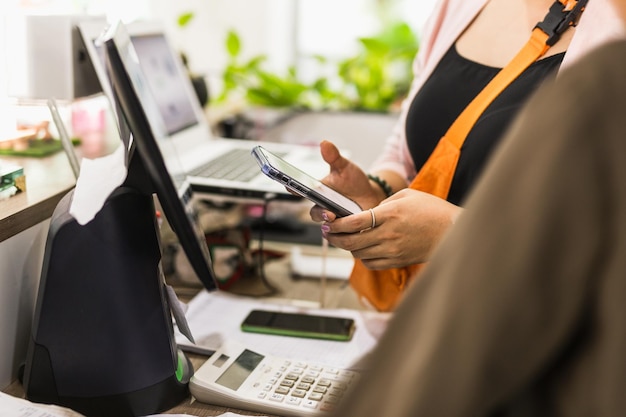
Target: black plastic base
(150,400)
(102,341)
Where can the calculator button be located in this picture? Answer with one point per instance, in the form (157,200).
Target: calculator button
(340,385)
(313,374)
(324,382)
(287,383)
(277,397)
(310,403)
(268,387)
(297,370)
(262,394)
(333,399)
(307,379)
(303,386)
(292,376)
(282,390)
(293,401)
(298,393)
(335,391)
(320,389)
(316,368)
(315,396)
(301,364)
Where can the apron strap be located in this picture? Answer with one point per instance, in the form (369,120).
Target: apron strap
(562,15)
(435,176)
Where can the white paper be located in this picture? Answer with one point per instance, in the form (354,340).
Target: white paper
(217,316)
(98,179)
(229,414)
(17,407)
(178,309)
(337,267)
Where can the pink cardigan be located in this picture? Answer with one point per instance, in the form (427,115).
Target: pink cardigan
(598,24)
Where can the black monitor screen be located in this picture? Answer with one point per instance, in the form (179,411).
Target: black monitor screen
(140,112)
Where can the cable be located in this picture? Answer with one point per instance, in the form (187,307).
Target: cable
(323,275)
(261,255)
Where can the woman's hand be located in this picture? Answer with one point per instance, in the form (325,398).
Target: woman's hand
(348,179)
(408,226)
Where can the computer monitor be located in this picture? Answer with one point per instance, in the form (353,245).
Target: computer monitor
(136,109)
(163,72)
(179,108)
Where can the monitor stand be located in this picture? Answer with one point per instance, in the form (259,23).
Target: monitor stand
(102,339)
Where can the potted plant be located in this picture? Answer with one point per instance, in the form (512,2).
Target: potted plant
(374,79)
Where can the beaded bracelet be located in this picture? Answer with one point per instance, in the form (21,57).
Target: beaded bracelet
(382,184)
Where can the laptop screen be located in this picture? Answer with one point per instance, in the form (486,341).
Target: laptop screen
(163,71)
(163,76)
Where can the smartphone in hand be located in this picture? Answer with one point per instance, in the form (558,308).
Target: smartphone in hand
(303,184)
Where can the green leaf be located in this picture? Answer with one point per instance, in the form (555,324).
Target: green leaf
(372,80)
(233,44)
(185,18)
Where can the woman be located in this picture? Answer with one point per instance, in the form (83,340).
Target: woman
(466,42)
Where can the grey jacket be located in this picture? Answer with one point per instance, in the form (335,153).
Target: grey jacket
(522,310)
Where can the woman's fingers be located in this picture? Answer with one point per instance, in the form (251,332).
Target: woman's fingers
(319,214)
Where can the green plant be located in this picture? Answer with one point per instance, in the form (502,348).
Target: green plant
(261,87)
(380,73)
(373,80)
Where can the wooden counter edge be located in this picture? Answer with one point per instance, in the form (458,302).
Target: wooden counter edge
(30,216)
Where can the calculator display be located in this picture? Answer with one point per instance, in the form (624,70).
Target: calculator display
(239,370)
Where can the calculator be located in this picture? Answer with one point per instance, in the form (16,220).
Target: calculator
(239,377)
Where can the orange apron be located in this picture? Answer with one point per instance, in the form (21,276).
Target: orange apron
(382,289)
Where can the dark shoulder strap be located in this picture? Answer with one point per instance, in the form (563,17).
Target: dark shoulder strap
(562,15)
(435,176)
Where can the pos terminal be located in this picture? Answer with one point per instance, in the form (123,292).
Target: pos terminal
(102,339)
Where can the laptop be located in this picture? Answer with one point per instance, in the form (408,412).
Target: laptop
(217,168)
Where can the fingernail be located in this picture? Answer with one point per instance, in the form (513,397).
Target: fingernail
(325,228)
(325,217)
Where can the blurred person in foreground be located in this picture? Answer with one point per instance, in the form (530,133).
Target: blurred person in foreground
(521,310)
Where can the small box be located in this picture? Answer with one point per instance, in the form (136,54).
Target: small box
(12,176)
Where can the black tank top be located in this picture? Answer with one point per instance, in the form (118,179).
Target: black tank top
(450,88)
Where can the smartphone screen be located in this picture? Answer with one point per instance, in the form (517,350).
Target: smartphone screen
(299,325)
(303,184)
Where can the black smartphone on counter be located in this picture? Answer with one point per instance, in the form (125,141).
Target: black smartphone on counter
(299,325)
(303,184)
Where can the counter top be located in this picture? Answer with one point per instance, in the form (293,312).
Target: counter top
(47,181)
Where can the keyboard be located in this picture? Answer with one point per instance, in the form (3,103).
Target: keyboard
(234,165)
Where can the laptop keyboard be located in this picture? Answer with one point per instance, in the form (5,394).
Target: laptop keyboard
(234,165)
